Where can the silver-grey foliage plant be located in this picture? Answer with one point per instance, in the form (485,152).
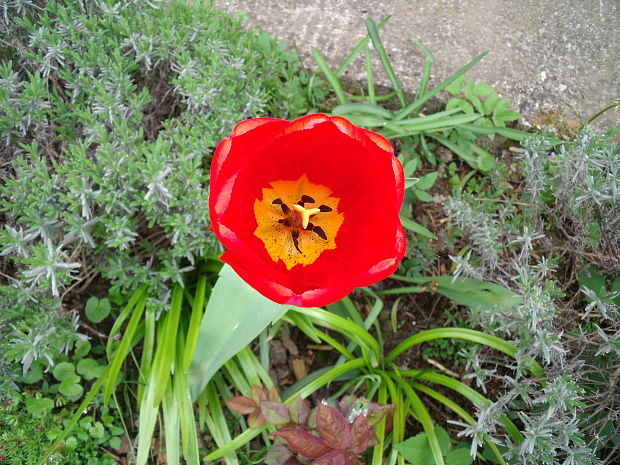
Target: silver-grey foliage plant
(574,189)
(109,112)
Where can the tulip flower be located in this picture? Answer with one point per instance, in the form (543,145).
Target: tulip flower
(308,209)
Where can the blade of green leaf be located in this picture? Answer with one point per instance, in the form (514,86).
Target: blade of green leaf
(123,348)
(419,410)
(416,228)
(167,344)
(172,431)
(194,322)
(426,70)
(418,103)
(235,315)
(384,59)
(364,108)
(362,43)
(329,74)
(369,77)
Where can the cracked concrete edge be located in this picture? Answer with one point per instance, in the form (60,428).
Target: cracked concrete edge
(544,55)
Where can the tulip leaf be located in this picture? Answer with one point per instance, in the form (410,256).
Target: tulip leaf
(234,316)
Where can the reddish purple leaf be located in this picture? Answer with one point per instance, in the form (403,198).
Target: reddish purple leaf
(360,434)
(241,404)
(304,443)
(299,411)
(275,413)
(335,457)
(256,419)
(258,394)
(333,427)
(378,412)
(277,455)
(274,394)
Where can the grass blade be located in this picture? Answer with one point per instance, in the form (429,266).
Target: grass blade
(167,344)
(363,42)
(452,333)
(426,70)
(198,306)
(420,412)
(123,348)
(384,59)
(329,74)
(369,77)
(419,102)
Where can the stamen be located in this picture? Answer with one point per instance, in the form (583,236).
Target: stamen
(295,234)
(285,209)
(325,208)
(277,202)
(307,199)
(285,221)
(320,232)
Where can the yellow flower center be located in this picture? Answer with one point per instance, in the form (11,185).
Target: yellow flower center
(297,221)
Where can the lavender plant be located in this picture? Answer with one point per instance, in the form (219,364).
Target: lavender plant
(570,191)
(108,114)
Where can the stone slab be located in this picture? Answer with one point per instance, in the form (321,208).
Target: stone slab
(544,55)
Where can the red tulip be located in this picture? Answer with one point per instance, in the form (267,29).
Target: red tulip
(307,209)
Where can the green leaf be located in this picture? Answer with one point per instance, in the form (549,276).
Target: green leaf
(97,309)
(71,388)
(35,374)
(70,444)
(456,86)
(410,182)
(39,407)
(482,90)
(489,103)
(82,348)
(423,196)
(461,104)
(115,442)
(235,315)
(89,368)
(459,456)
(592,279)
(427,181)
(410,167)
(63,370)
(96,431)
(485,161)
(417,449)
(416,228)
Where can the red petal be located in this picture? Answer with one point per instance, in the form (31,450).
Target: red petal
(304,443)
(333,427)
(356,164)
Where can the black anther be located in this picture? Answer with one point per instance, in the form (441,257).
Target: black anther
(325,208)
(277,202)
(310,227)
(307,199)
(285,209)
(320,232)
(285,221)
(295,234)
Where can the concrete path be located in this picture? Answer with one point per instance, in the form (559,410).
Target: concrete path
(544,55)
